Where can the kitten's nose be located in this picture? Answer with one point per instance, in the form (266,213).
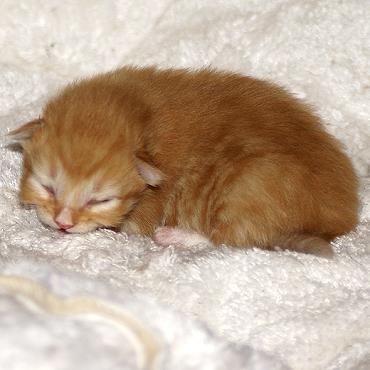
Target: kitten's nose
(64,219)
(63,226)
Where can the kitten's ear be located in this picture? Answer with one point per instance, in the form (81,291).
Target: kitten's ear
(151,175)
(25,132)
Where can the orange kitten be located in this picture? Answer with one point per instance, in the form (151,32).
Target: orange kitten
(234,159)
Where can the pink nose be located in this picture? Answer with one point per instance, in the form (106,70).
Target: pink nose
(63,226)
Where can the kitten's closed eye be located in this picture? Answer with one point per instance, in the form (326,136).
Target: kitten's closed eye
(50,190)
(93,202)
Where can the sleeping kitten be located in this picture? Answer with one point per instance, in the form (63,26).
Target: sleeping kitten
(188,157)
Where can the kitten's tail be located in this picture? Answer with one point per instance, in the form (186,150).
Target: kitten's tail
(307,244)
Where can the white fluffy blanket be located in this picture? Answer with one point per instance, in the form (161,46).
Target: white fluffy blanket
(207,308)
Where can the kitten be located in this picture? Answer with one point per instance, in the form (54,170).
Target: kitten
(188,157)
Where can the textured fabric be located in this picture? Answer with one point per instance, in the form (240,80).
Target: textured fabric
(218,308)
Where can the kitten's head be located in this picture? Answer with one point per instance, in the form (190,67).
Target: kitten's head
(79,168)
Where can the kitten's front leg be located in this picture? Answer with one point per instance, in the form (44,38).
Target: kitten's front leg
(178,236)
(146,215)
(146,219)
(130,227)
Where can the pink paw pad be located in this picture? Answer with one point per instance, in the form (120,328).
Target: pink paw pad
(177,236)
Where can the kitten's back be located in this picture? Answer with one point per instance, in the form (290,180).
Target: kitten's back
(208,123)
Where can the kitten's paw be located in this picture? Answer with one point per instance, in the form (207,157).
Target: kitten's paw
(130,228)
(179,237)
(169,235)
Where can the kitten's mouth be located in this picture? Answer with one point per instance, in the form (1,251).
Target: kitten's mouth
(78,229)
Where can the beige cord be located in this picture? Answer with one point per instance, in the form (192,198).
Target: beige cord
(145,342)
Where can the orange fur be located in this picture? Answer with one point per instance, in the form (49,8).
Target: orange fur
(231,157)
